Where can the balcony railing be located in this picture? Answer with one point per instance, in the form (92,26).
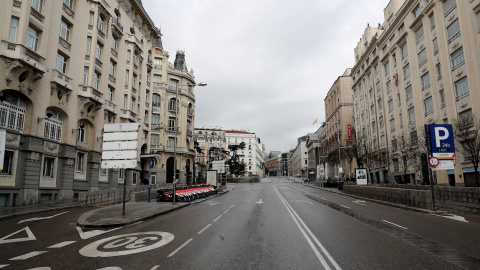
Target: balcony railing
(117,24)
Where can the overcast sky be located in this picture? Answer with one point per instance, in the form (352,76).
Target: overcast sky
(268,63)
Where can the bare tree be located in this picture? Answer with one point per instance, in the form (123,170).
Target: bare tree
(365,154)
(467,135)
(406,151)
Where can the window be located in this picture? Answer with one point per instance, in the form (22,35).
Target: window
(441,94)
(398,98)
(428,105)
(155,118)
(413,138)
(80,164)
(37,5)
(435,46)
(110,93)
(370,93)
(85,75)
(156,100)
(432,20)
(400,119)
(65,31)
(129,54)
(389,87)
(81,132)
(32,40)
(378,87)
(406,72)
(380,121)
(101,23)
(411,116)
(394,57)
(461,88)
(458,58)
(416,11)
(154,140)
(96,80)
(12,114)
(425,81)
(173,85)
(374,127)
(453,31)
(134,81)
(13,29)
(409,92)
(390,20)
(387,68)
(392,125)
(157,79)
(419,34)
(53,125)
(68,3)
(121,173)
(380,104)
(125,99)
(114,43)
(132,104)
(127,72)
(61,63)
(376,70)
(89,44)
(48,166)
(449,6)
(98,51)
(7,163)
(113,68)
(439,71)
(372,110)
(157,63)
(369,76)
(465,117)
(91,16)
(422,57)
(171,142)
(390,105)
(172,104)
(362,117)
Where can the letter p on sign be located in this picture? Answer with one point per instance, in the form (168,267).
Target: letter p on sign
(438,137)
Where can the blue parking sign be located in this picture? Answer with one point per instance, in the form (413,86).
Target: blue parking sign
(442,141)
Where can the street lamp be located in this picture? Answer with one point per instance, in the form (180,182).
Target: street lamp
(176,134)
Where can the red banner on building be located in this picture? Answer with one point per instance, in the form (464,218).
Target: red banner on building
(350,133)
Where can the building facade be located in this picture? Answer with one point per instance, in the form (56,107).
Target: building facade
(419,67)
(299,158)
(254,152)
(212,142)
(69,67)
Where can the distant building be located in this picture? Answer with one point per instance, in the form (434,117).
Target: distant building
(254,152)
(299,158)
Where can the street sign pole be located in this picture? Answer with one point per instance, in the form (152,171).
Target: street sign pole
(124,193)
(430,172)
(149,178)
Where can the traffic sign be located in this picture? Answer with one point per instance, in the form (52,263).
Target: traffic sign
(442,141)
(433,161)
(118,164)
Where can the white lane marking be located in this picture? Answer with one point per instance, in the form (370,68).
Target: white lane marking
(217,218)
(90,234)
(40,218)
(455,217)
(133,224)
(310,202)
(299,221)
(126,244)
(360,202)
(62,244)
(344,206)
(110,268)
(232,206)
(226,211)
(394,224)
(155,267)
(41,268)
(180,247)
(4,265)
(206,227)
(28,255)
(260,201)
(323,199)
(29,237)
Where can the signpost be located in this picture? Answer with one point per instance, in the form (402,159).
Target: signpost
(120,142)
(3,135)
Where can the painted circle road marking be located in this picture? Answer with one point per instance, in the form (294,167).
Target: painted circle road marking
(126,244)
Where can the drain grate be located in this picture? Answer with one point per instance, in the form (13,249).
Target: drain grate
(451,255)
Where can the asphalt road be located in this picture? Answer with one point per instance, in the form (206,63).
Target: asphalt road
(275,224)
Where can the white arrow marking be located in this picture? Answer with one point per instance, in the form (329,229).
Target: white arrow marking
(28,255)
(90,234)
(260,202)
(455,217)
(40,218)
(360,202)
(30,237)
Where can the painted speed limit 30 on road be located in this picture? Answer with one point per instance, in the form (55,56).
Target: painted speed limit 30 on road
(126,244)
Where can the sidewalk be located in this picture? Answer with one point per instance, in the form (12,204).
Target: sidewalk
(110,215)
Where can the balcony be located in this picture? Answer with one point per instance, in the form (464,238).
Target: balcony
(146,126)
(24,54)
(111,107)
(117,24)
(173,129)
(172,89)
(91,93)
(189,132)
(130,115)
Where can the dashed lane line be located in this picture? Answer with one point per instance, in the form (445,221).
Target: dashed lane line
(62,244)
(344,206)
(206,227)
(217,218)
(226,211)
(391,223)
(179,248)
(28,255)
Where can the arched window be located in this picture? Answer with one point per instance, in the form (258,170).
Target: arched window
(12,112)
(172,104)
(53,125)
(156,100)
(82,127)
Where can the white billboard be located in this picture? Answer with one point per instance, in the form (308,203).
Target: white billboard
(128,145)
(123,127)
(120,136)
(119,154)
(212,178)
(116,164)
(361,176)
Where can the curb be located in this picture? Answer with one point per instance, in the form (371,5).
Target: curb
(146,217)
(40,211)
(420,210)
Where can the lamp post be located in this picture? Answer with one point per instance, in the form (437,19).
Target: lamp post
(175,142)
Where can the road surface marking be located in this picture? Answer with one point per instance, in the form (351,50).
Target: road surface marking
(206,227)
(28,255)
(133,224)
(29,237)
(394,224)
(455,217)
(217,218)
(344,206)
(90,234)
(260,201)
(310,238)
(126,244)
(360,202)
(110,268)
(226,211)
(180,247)
(40,218)
(323,199)
(62,244)
(4,265)
(155,267)
(232,206)
(42,268)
